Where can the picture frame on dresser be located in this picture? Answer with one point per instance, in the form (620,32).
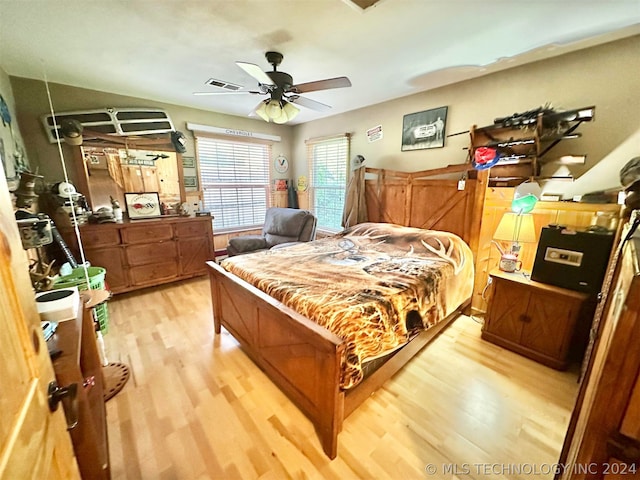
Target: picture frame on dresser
(142,205)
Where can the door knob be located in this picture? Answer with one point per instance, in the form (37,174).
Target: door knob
(69,397)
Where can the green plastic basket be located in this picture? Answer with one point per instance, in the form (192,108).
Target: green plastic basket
(96,281)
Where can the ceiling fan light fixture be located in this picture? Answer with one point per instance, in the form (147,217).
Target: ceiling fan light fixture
(261,111)
(273,109)
(282,118)
(290,110)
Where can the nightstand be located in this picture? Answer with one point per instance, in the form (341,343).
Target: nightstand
(546,323)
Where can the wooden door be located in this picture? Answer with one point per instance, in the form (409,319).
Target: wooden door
(34,443)
(167,171)
(607,391)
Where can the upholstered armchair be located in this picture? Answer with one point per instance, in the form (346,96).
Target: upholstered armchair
(281,225)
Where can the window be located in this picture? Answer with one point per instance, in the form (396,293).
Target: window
(235,181)
(328,165)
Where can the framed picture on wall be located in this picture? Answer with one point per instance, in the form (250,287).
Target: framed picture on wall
(188,162)
(142,205)
(191,182)
(424,129)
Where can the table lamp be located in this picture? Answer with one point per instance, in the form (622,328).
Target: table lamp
(516,228)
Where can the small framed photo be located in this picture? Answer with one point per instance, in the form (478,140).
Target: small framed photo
(424,129)
(142,205)
(189,162)
(190,182)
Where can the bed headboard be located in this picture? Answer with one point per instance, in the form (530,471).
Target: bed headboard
(419,200)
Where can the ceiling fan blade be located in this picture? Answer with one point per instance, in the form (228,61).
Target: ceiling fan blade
(228,93)
(338,82)
(307,102)
(256,72)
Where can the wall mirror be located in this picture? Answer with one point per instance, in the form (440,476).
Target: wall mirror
(112,166)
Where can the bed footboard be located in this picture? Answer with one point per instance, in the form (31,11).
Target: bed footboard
(300,357)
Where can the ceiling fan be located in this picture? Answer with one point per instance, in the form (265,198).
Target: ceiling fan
(282,91)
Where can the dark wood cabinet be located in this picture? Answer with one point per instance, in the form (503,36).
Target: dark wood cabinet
(144,253)
(539,321)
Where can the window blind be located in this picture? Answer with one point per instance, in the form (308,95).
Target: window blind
(235,181)
(328,160)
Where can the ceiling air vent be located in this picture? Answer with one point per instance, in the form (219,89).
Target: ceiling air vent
(226,85)
(113,121)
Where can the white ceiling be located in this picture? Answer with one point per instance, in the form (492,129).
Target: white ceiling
(164,50)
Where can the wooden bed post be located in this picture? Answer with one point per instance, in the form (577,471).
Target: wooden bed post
(217,311)
(477,208)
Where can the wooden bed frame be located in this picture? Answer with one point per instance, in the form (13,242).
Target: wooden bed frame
(303,358)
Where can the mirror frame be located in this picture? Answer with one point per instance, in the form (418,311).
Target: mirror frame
(95,139)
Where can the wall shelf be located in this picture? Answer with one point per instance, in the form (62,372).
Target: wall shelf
(527,137)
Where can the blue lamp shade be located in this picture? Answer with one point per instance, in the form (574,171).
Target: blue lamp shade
(525,197)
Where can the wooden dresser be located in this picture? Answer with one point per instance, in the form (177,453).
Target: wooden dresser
(144,253)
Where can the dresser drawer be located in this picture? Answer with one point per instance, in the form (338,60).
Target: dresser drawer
(98,237)
(151,253)
(191,229)
(147,233)
(154,273)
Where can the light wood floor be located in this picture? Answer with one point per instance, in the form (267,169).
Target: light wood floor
(197,408)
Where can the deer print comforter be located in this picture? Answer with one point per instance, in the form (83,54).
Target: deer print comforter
(374,285)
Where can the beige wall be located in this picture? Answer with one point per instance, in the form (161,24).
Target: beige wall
(605,76)
(32,103)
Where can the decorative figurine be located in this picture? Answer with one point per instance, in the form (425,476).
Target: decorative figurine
(117,211)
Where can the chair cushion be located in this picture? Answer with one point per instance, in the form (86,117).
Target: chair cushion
(247,243)
(284,225)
